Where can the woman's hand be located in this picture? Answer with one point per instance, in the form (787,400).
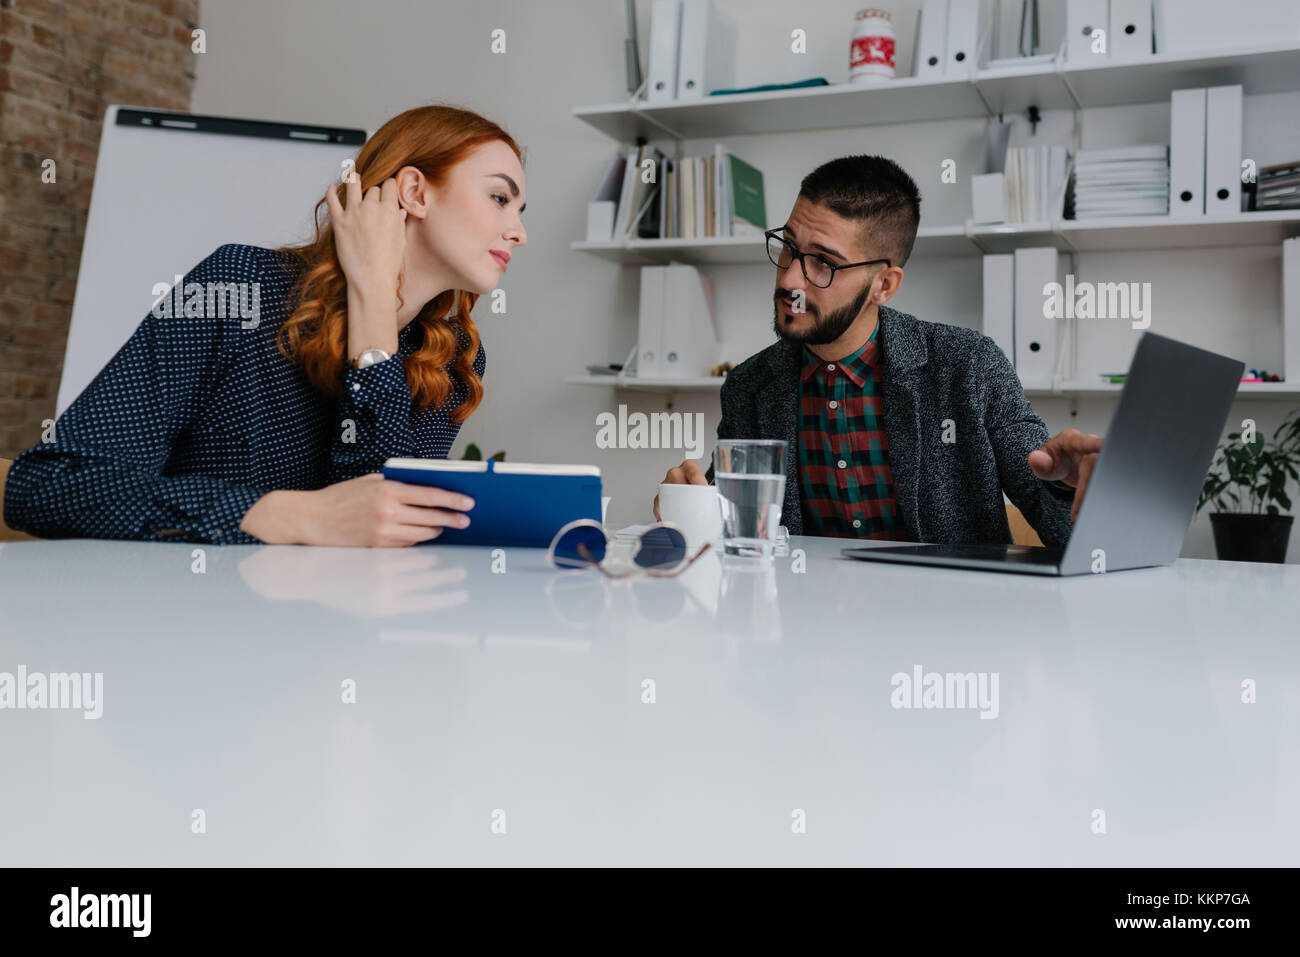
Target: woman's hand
(378,512)
(370,236)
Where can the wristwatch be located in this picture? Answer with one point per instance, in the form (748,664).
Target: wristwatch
(369,357)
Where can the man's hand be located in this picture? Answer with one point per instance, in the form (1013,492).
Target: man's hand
(1068,457)
(688,473)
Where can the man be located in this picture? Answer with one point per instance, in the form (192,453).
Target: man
(895,428)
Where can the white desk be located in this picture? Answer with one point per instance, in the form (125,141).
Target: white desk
(522,692)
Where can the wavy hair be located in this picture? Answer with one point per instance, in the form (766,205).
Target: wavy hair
(433,139)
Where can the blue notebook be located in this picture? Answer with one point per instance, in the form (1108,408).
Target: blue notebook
(515,503)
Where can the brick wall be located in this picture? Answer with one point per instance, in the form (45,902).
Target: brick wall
(61,63)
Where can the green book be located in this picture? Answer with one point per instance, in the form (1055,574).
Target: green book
(747,205)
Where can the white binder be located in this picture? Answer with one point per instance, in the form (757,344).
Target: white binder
(963,37)
(1223,150)
(689,344)
(1187,153)
(661,70)
(1197,26)
(999,302)
(705,52)
(1290,311)
(650,322)
(1037,337)
(932,39)
(1081,18)
(1130,30)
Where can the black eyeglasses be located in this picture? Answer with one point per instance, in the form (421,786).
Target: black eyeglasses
(819,272)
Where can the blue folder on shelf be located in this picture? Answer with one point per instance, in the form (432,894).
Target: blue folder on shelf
(772,87)
(515,503)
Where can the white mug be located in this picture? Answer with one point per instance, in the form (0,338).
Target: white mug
(695,509)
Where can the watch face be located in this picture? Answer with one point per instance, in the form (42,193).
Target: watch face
(369,358)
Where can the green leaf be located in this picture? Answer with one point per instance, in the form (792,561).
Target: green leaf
(472,453)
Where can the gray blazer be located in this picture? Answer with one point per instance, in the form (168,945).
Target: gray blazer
(947,492)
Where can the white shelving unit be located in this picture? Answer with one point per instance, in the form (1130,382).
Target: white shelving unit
(747,250)
(1085,235)
(1051,86)
(789,111)
(1056,85)
(1161,232)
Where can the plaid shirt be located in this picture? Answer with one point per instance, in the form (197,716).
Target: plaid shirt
(847,486)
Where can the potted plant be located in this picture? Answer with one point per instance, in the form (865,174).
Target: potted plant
(474,454)
(1247,484)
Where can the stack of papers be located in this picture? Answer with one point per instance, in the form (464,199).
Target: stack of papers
(1126,181)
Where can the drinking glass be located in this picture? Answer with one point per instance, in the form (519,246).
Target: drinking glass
(750,475)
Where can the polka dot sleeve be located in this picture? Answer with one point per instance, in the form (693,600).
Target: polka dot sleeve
(374,420)
(104,473)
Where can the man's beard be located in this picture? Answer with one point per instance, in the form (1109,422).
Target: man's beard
(824,330)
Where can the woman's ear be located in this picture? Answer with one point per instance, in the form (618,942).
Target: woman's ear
(413,192)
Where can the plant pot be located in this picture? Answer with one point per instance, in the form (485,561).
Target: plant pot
(1251,538)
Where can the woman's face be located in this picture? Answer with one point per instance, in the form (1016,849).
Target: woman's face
(466,231)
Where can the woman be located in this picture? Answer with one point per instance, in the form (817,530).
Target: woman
(210,428)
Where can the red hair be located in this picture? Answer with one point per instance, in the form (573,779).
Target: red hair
(433,139)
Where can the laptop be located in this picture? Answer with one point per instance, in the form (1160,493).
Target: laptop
(1148,477)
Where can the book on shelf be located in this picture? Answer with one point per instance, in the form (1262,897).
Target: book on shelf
(1278,187)
(637,214)
(623,214)
(1278,202)
(1279,171)
(691,197)
(747,207)
(1035,180)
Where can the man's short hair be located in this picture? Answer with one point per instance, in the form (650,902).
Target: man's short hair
(875,191)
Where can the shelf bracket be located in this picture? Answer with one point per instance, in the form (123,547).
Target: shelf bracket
(1060,235)
(971,235)
(1065,80)
(640,108)
(668,392)
(988,107)
(982,47)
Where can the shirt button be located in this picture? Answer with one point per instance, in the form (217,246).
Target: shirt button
(834,404)
(356,387)
(842,463)
(830,367)
(857,523)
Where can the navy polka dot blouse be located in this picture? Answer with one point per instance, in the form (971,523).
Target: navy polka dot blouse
(193,420)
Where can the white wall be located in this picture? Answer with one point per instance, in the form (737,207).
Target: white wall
(343,63)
